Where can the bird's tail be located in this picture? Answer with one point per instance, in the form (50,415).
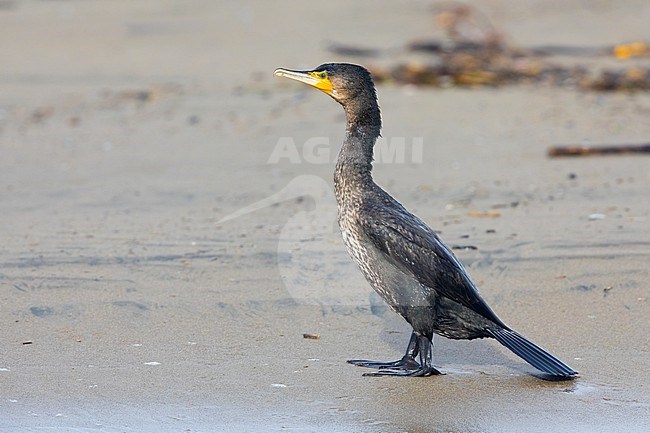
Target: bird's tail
(531,353)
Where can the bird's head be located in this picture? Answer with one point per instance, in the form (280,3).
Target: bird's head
(344,82)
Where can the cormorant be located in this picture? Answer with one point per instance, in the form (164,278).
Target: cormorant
(401,257)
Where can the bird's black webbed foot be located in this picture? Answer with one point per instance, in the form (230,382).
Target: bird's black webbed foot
(407,363)
(408,366)
(418,372)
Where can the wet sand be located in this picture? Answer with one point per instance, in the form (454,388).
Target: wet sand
(128,131)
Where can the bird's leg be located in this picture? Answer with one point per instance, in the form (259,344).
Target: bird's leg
(421,369)
(408,361)
(426,357)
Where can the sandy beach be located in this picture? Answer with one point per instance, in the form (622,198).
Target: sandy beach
(168,225)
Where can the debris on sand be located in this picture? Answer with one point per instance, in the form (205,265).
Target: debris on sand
(474,53)
(578,150)
(311,336)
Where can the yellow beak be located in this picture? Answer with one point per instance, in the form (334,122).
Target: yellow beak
(308,77)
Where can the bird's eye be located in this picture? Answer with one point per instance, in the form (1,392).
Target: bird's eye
(323,75)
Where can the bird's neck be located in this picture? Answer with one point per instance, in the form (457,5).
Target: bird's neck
(354,164)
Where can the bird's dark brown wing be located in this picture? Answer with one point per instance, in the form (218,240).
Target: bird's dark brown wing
(410,245)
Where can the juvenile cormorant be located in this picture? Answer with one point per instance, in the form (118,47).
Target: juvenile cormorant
(400,256)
